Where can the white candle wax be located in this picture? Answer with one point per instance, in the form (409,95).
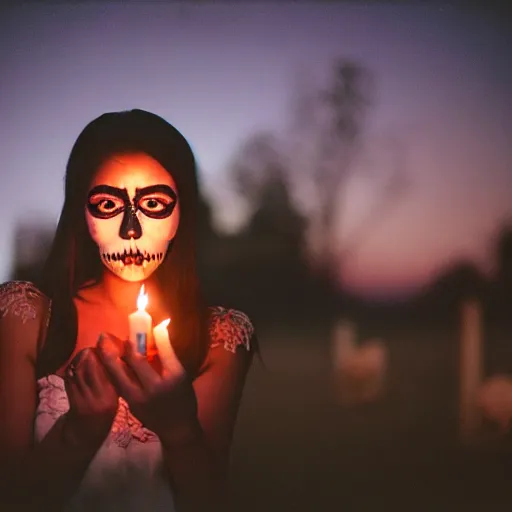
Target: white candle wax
(165,351)
(140,323)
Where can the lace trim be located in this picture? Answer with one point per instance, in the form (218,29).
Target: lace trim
(230,328)
(127,427)
(53,400)
(18,298)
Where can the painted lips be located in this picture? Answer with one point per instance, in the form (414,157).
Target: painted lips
(132,258)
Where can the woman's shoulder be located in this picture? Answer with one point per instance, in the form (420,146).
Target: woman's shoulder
(22,300)
(230,328)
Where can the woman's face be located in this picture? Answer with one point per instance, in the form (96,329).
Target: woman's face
(132,213)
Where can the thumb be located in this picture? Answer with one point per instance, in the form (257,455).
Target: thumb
(171,365)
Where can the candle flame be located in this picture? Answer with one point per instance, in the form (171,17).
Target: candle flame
(164,323)
(142,299)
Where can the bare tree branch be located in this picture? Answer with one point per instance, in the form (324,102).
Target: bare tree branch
(257,161)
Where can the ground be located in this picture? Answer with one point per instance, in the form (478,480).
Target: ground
(297,449)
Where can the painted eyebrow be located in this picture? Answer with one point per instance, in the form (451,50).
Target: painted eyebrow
(164,189)
(107,189)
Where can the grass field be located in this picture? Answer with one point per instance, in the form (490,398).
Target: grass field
(297,449)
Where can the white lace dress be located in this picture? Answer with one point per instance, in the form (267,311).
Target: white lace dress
(127,472)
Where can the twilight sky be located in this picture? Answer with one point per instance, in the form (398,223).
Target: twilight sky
(222,72)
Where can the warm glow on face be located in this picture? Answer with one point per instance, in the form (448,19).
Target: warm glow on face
(132,214)
(142,299)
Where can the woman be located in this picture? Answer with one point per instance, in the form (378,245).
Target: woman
(115,430)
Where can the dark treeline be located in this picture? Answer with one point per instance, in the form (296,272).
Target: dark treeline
(268,269)
(264,271)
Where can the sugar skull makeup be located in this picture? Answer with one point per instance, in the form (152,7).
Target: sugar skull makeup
(132,213)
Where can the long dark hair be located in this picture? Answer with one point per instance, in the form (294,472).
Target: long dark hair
(74,259)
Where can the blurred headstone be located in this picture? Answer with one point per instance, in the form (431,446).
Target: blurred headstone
(495,401)
(470,369)
(343,341)
(359,370)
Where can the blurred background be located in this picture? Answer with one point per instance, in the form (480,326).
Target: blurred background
(356,171)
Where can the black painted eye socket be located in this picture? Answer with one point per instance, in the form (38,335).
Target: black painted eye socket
(105,206)
(157,207)
(153,204)
(155,201)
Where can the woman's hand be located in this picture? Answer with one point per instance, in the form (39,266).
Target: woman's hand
(164,402)
(93,400)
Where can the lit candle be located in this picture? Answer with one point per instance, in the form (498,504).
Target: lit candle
(140,324)
(165,351)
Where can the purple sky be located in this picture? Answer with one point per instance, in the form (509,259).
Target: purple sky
(222,72)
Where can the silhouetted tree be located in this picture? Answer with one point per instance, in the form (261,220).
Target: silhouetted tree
(502,282)
(256,163)
(504,258)
(207,239)
(276,214)
(460,281)
(328,136)
(273,178)
(272,266)
(333,123)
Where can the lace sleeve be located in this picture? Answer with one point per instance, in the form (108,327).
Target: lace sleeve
(20,299)
(230,328)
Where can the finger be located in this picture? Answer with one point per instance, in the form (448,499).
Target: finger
(79,357)
(86,372)
(71,389)
(110,345)
(171,365)
(86,368)
(97,372)
(140,366)
(76,389)
(96,376)
(118,373)
(78,366)
(80,379)
(72,371)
